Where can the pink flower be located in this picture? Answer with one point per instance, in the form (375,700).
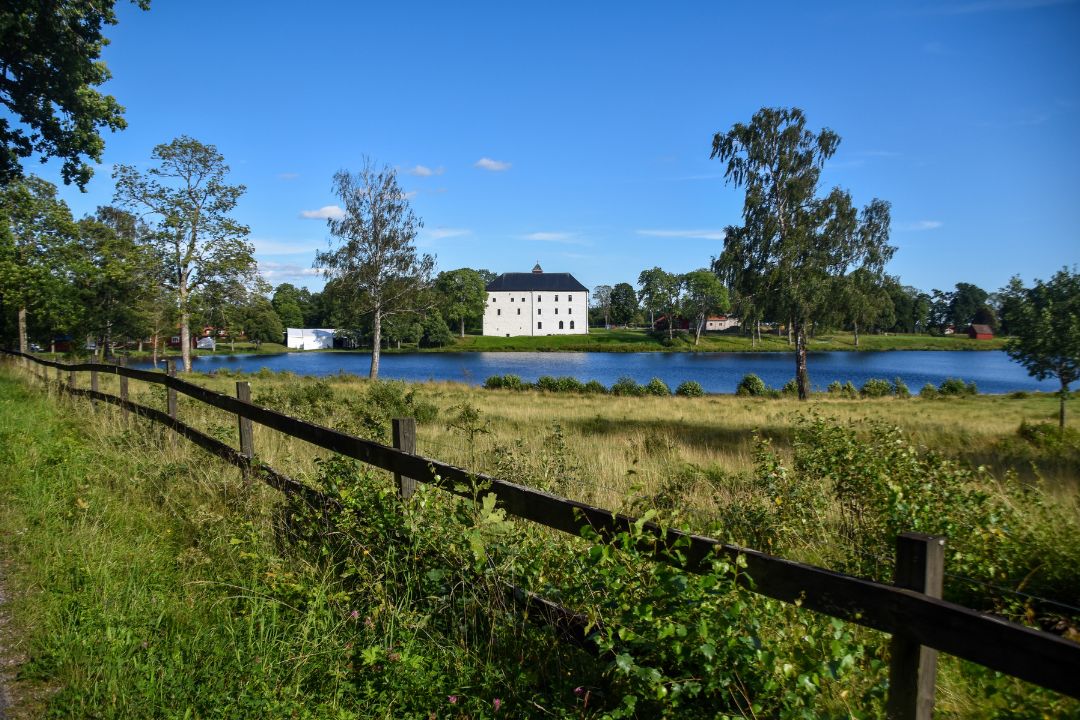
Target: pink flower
(452,699)
(579,690)
(497,703)
(354,614)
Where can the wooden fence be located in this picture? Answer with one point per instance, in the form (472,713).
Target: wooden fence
(911,610)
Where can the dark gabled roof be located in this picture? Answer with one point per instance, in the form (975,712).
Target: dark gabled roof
(982,329)
(536,282)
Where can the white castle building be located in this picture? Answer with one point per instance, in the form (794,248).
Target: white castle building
(536,303)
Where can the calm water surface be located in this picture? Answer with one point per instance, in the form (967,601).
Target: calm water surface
(992,371)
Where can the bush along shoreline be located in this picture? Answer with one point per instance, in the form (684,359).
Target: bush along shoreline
(750,386)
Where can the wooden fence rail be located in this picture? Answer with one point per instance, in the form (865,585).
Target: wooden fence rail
(919,622)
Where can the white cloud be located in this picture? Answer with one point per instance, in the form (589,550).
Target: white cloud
(486,163)
(410,194)
(323,213)
(425,171)
(919,225)
(440,233)
(266,246)
(698,234)
(558,237)
(280,272)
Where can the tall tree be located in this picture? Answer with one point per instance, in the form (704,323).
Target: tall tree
(964,302)
(461,295)
(865,301)
(704,295)
(1045,323)
(186,196)
(378,270)
(115,269)
(50,67)
(794,242)
(36,232)
(660,290)
(288,305)
(624,304)
(601,297)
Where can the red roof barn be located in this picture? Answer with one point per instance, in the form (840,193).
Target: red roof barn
(980,332)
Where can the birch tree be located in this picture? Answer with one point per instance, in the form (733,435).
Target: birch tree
(373,259)
(794,243)
(189,203)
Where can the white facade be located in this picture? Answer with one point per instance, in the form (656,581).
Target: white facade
(530,312)
(721,322)
(309,338)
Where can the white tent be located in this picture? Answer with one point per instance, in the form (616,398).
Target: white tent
(309,338)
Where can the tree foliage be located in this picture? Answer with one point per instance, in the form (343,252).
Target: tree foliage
(36,235)
(601,297)
(704,295)
(793,245)
(375,264)
(461,295)
(624,304)
(189,202)
(50,55)
(1045,322)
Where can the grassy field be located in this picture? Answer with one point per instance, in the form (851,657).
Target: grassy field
(148,577)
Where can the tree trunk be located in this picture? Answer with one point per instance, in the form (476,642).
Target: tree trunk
(697,334)
(802,378)
(108,341)
(1061,408)
(790,330)
(22,330)
(140,344)
(185,339)
(153,350)
(376,343)
(856,334)
(462,330)
(671,324)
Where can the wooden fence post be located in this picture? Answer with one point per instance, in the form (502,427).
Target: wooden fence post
(920,566)
(93,386)
(170,370)
(122,362)
(71,379)
(405,440)
(247,440)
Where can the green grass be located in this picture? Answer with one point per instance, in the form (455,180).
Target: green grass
(151,582)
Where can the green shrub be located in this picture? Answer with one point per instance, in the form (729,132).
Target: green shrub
(494,382)
(594,387)
(928,391)
(570,385)
(791,387)
(657,387)
(900,388)
(547,383)
(752,385)
(835,388)
(955,387)
(875,387)
(690,388)
(627,386)
(850,391)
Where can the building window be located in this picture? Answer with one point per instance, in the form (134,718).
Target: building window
(571,324)
(492,298)
(519,311)
(556,298)
(560,325)
(539,311)
(556,311)
(522,299)
(498,312)
(569,298)
(539,326)
(511,299)
(538,298)
(569,311)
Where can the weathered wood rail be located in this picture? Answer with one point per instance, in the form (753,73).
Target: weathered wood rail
(911,610)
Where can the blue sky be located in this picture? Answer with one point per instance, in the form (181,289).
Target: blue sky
(578,134)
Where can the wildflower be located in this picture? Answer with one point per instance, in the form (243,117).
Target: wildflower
(579,690)
(497,703)
(369,623)
(452,699)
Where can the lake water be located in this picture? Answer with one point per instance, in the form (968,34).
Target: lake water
(992,371)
